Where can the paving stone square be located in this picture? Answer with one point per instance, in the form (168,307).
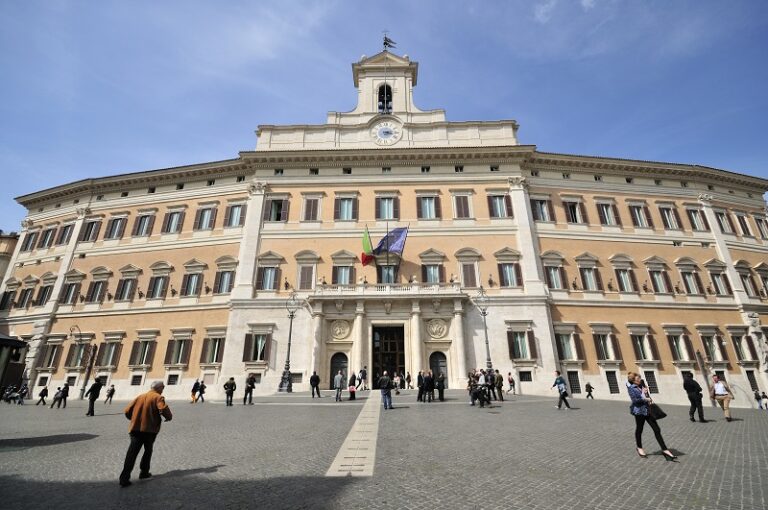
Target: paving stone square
(522,453)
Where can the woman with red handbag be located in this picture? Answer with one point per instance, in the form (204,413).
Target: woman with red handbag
(640,409)
(352,386)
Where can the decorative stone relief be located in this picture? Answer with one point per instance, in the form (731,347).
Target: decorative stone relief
(518,182)
(257,188)
(387,307)
(436,305)
(340,329)
(705,197)
(339,305)
(437,328)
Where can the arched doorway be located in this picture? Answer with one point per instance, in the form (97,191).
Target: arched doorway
(338,362)
(438,364)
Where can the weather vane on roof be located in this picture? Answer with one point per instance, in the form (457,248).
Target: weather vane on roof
(388,43)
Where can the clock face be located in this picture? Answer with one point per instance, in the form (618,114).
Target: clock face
(386,133)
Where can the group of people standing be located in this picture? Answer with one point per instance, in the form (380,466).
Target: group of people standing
(427,383)
(485,385)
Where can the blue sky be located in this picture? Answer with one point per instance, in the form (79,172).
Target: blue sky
(98,88)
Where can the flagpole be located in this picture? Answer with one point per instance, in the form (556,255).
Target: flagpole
(386,236)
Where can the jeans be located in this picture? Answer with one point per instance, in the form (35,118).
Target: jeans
(386,396)
(229,399)
(639,423)
(696,405)
(563,400)
(248,396)
(138,440)
(338,394)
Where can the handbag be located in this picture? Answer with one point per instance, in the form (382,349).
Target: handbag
(655,412)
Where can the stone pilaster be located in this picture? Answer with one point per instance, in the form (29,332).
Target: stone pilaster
(249,246)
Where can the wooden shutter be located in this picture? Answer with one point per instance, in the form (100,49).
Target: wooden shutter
(89,294)
(248,347)
(151,353)
(564,278)
(438,209)
(616,347)
(489,199)
(169,352)
(305,277)
(284,210)
(418,207)
(70,355)
(579,347)
(598,280)
(243,210)
(214,212)
(352,278)
(182,215)
(636,349)
(227,215)
(616,214)
(57,357)
(730,222)
(220,353)
(501,276)
(708,351)
(184,285)
(336,208)
(396,207)
(689,346)
(187,351)
(135,230)
(559,348)
(267,210)
(667,281)
(116,357)
(354,208)
(518,274)
(699,283)
(551,211)
(268,349)
(334,275)
(672,349)
(583,278)
(534,353)
(166,221)
(677,218)
(727,284)
(632,216)
(648,217)
(598,348)
(547,277)
(583,211)
(423,273)
(120,285)
(196,224)
(601,214)
(511,344)
(441,273)
(470,279)
(259,278)
(217,283)
(751,346)
(101,353)
(164,282)
(635,286)
(508,206)
(378,208)
(654,347)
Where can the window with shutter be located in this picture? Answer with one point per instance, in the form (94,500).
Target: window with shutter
(461,203)
(306,277)
(469,275)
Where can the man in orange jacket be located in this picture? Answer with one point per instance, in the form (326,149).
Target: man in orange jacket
(144,412)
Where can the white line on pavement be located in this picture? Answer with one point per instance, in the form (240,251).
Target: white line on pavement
(357,454)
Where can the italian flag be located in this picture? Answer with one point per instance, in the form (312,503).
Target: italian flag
(367,255)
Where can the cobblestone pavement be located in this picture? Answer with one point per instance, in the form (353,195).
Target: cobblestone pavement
(523,453)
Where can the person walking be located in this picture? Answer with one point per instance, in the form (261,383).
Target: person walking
(43,393)
(56,398)
(420,386)
(110,394)
(441,387)
(396,382)
(22,394)
(490,381)
(201,392)
(562,390)
(511,382)
(765,399)
(590,389)
(93,395)
(352,388)
(338,385)
(429,387)
(408,381)
(195,390)
(144,412)
(693,389)
(759,400)
(363,378)
(385,385)
(250,384)
(639,409)
(314,383)
(229,390)
(64,394)
(499,382)
(722,394)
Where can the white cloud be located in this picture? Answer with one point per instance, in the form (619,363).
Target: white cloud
(587,4)
(544,10)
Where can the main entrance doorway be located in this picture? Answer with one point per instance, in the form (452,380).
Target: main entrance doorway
(388,352)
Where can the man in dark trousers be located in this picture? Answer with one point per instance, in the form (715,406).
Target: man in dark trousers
(693,389)
(42,395)
(590,389)
(499,382)
(314,382)
(250,384)
(144,412)
(420,387)
(93,395)
(385,385)
(229,389)
(429,387)
(64,394)
(363,378)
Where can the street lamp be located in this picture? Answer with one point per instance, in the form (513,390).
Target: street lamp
(89,358)
(292,305)
(481,302)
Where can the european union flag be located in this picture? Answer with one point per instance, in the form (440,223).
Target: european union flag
(393,242)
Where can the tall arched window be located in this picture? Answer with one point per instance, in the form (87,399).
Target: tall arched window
(385,99)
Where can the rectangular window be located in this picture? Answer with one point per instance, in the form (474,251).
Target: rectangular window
(345,209)
(143,225)
(542,210)
(721,284)
(509,274)
(659,282)
(762,227)
(276,210)
(554,277)
(29,241)
(564,346)
(519,345)
(427,208)
(7,300)
(575,212)
(342,275)
(590,279)
(90,231)
(65,234)
(43,295)
(46,238)
(641,216)
(698,221)
(25,299)
(173,379)
(601,346)
(744,225)
(468,274)
(431,273)
(306,277)
(109,357)
(387,208)
(126,288)
(115,228)
(234,216)
(205,218)
(749,285)
(724,222)
(157,288)
(213,349)
(461,203)
(425,169)
(675,347)
(52,356)
(691,282)
(752,380)
(136,380)
(311,209)
(386,274)
(613,383)
(669,218)
(650,379)
(526,376)
(638,343)
(96,291)
(500,206)
(625,280)
(191,284)
(223,282)
(269,278)
(573,382)
(609,215)
(178,352)
(173,222)
(259,348)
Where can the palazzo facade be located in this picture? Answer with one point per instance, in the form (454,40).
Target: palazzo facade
(593,266)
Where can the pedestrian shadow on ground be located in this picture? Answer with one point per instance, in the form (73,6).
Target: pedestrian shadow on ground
(31,442)
(194,491)
(187,472)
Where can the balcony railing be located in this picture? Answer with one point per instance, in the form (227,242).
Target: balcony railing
(384,289)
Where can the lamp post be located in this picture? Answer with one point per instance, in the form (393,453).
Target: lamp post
(292,305)
(89,358)
(481,302)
